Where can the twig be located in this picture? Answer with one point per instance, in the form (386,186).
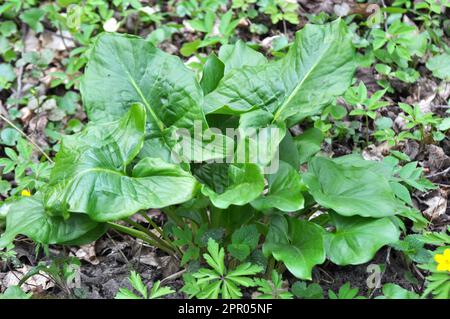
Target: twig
(119,249)
(173,276)
(445,171)
(27,137)
(19,76)
(384,16)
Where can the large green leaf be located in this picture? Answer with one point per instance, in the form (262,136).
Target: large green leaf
(29,217)
(238,55)
(297,243)
(357,239)
(124,69)
(231,184)
(351,190)
(318,67)
(94,167)
(284,191)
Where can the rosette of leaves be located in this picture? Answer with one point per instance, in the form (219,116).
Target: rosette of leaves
(137,96)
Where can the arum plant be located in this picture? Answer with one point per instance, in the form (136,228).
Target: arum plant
(129,160)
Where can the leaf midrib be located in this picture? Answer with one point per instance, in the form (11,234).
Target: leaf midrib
(144,100)
(299,85)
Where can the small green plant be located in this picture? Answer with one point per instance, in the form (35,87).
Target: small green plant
(438,280)
(156,292)
(303,290)
(396,46)
(280,10)
(272,289)
(345,292)
(425,122)
(365,106)
(61,270)
(210,283)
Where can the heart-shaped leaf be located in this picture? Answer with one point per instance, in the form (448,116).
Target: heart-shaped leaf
(351,190)
(297,243)
(29,217)
(357,239)
(284,191)
(231,184)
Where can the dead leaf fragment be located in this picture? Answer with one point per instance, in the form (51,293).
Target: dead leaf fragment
(34,283)
(437,206)
(87,253)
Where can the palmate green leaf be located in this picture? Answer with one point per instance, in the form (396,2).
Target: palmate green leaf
(240,273)
(157,291)
(322,57)
(28,216)
(284,191)
(231,184)
(357,239)
(136,281)
(353,188)
(215,257)
(93,165)
(297,243)
(215,281)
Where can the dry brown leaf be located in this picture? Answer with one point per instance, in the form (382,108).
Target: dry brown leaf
(87,253)
(57,42)
(437,206)
(36,282)
(437,159)
(170,265)
(150,259)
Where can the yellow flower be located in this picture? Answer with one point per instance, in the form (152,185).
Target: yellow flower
(443,260)
(25,193)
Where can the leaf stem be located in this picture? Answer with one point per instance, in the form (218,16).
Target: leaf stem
(27,137)
(150,234)
(140,235)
